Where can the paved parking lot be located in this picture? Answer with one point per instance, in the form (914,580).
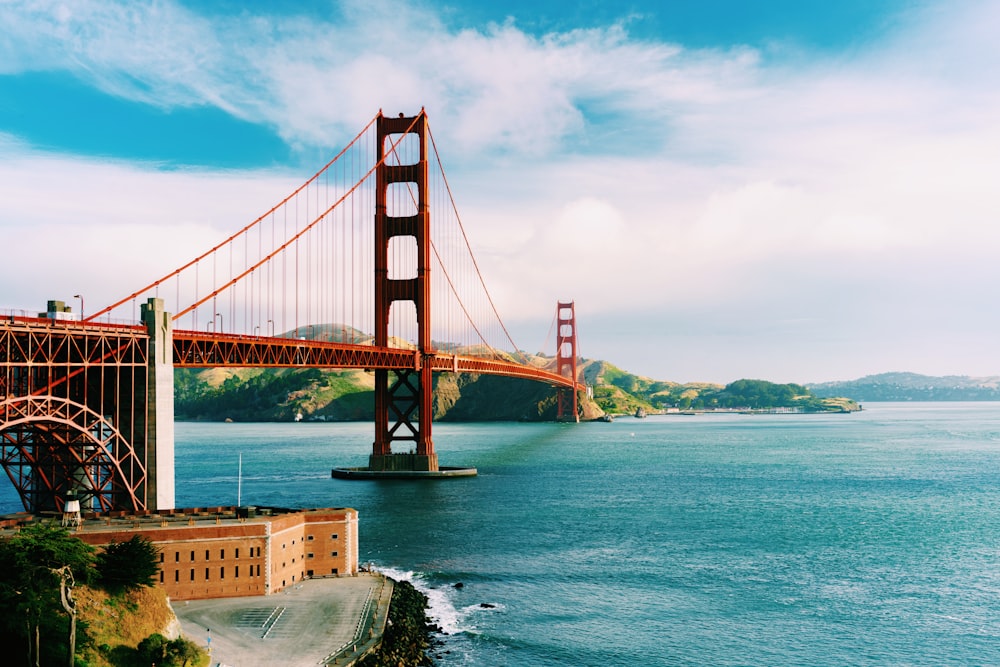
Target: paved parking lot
(301,625)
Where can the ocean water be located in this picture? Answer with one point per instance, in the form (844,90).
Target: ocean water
(862,539)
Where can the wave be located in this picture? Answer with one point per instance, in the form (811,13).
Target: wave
(441,608)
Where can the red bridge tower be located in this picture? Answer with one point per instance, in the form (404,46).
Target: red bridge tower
(403,408)
(566,359)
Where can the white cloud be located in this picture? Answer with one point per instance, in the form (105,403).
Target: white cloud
(719,175)
(84,225)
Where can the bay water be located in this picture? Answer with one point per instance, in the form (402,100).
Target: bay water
(859,539)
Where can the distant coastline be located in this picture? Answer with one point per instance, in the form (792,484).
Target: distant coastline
(902,387)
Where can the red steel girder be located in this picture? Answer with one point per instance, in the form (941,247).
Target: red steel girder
(199,350)
(206,350)
(68,413)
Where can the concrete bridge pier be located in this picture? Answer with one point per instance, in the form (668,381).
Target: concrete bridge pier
(159,407)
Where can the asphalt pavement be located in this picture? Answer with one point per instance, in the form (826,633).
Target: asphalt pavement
(304,624)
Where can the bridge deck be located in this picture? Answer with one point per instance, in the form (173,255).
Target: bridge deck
(194,349)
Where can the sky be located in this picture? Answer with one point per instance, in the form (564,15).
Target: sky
(782,190)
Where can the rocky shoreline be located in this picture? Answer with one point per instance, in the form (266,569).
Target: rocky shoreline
(408,633)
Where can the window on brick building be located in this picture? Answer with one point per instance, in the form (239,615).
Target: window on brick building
(309,555)
(334,536)
(310,538)
(237,574)
(333,553)
(192,574)
(177,575)
(237,552)
(222,554)
(161,576)
(192,555)
(206,554)
(206,574)
(222,572)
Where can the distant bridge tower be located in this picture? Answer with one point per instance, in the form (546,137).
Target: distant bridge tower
(566,359)
(403,408)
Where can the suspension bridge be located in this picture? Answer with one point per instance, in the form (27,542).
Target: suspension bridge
(86,399)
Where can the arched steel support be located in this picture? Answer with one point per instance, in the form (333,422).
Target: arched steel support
(50,446)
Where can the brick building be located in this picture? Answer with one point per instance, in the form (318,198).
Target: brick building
(222,552)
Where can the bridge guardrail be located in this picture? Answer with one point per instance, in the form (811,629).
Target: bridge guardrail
(31,316)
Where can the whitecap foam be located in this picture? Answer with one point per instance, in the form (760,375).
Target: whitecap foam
(440,607)
(493,607)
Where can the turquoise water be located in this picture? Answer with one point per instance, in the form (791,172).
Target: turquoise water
(864,539)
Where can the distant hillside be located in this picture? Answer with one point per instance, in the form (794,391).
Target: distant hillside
(913,387)
(313,394)
(619,392)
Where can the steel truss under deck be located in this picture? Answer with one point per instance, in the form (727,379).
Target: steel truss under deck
(73,413)
(193,349)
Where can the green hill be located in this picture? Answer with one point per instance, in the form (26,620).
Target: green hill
(312,394)
(619,392)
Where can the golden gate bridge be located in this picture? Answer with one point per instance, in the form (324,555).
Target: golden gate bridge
(86,402)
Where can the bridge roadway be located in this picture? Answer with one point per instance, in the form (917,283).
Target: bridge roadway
(331,621)
(194,349)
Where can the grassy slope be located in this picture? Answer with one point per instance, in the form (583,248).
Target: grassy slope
(122,621)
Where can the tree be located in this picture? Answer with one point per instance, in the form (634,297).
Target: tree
(124,566)
(183,652)
(36,567)
(158,650)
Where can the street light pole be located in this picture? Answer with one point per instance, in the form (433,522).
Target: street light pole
(222,328)
(80,297)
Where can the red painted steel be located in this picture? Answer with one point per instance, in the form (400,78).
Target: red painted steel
(75,396)
(73,413)
(193,349)
(566,359)
(403,408)
(72,398)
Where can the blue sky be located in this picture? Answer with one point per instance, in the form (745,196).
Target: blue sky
(789,190)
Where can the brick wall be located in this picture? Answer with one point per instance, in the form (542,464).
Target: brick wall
(208,558)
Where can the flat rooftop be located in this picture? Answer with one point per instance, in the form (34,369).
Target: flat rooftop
(198,516)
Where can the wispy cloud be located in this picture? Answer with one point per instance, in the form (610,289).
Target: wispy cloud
(669,176)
